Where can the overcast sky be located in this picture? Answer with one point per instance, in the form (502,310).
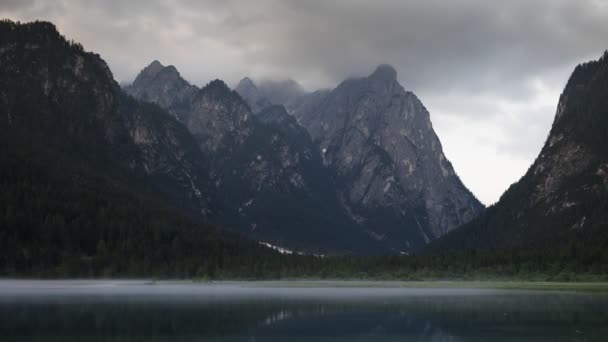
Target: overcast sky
(489,72)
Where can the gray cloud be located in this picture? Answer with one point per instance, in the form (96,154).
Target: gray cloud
(474,63)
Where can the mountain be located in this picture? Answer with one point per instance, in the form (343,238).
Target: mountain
(288,93)
(69,98)
(268,175)
(564,194)
(203,151)
(392,175)
(252,95)
(167,88)
(94,182)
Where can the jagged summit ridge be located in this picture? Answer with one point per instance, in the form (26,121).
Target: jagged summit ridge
(267,173)
(156,68)
(395,179)
(164,86)
(379,141)
(373,139)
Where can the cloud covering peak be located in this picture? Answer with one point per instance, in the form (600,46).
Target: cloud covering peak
(490,73)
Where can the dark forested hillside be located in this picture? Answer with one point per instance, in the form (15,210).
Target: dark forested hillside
(61,217)
(91,178)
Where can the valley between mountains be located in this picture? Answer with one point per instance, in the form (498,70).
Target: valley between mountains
(267,180)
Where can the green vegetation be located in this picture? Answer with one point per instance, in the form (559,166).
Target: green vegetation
(61,218)
(498,285)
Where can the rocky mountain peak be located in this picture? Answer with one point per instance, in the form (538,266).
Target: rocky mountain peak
(395,179)
(218,85)
(153,68)
(162,85)
(384,72)
(220,90)
(368,141)
(265,169)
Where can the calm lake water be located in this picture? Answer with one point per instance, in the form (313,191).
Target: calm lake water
(135,311)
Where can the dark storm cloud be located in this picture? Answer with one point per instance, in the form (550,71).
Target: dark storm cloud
(433,44)
(493,67)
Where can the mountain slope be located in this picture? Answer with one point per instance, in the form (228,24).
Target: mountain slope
(565,192)
(392,175)
(94,182)
(56,92)
(268,175)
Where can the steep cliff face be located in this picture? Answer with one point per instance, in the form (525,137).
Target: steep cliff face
(218,118)
(285,194)
(56,92)
(565,192)
(169,155)
(267,173)
(392,174)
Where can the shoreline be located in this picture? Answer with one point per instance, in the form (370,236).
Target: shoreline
(324,283)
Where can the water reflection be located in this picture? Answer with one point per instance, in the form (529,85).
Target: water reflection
(234,313)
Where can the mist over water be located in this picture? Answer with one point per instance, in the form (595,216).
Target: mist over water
(140,311)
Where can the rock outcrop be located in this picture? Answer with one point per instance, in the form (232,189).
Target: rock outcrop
(388,162)
(268,175)
(564,194)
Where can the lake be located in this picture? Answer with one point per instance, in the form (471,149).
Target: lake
(146,311)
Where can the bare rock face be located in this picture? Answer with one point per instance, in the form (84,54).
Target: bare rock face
(564,195)
(218,118)
(393,176)
(163,86)
(268,175)
(169,155)
(366,150)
